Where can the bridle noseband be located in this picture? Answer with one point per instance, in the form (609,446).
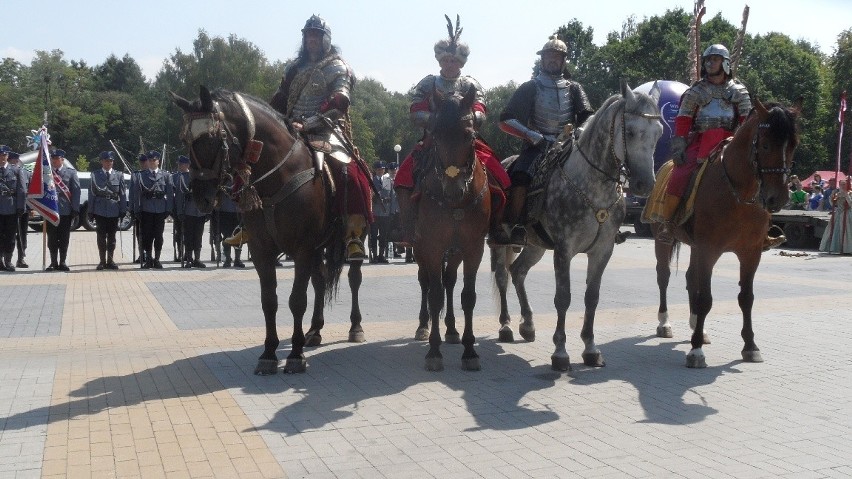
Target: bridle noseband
(757,169)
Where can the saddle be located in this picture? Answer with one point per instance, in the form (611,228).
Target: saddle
(654,206)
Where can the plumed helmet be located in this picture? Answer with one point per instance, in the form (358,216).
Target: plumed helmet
(554,44)
(317,23)
(451,47)
(722,51)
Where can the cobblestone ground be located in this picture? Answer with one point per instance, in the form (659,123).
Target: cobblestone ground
(141,373)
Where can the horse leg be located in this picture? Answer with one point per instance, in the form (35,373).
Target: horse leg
(663,253)
(698,280)
(296,362)
(693,318)
(451,336)
(559,361)
(434,360)
(314,335)
(748,267)
(518,271)
(356,332)
(597,264)
(422,333)
(267,364)
(470,360)
(501,279)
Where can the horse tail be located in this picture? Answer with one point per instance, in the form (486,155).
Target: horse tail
(335,258)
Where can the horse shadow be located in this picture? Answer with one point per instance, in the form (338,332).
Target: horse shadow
(667,390)
(339,380)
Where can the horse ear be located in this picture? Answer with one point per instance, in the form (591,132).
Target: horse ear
(758,105)
(797,105)
(626,92)
(180,101)
(206,98)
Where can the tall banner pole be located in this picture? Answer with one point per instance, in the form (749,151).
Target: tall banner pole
(840,138)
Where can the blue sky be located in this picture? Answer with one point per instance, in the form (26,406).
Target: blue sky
(390,41)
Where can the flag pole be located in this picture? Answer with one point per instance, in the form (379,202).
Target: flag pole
(839,138)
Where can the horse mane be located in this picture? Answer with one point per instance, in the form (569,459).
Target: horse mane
(782,123)
(263,106)
(642,102)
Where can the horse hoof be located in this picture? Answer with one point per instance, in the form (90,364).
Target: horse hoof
(695,361)
(560,363)
(506,335)
(752,356)
(594,359)
(422,334)
(357,337)
(452,338)
(313,339)
(266,367)
(664,331)
(295,365)
(434,364)
(470,364)
(527,332)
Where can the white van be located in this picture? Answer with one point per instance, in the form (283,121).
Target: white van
(85,220)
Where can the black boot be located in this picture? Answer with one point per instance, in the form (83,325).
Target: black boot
(110,264)
(8,266)
(227,253)
(156,263)
(237,262)
(102,264)
(514,215)
(21,263)
(197,262)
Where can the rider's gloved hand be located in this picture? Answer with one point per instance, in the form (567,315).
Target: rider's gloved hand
(678,150)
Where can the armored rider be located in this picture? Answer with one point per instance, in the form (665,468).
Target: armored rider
(191,218)
(537,113)
(315,94)
(12,198)
(108,203)
(151,200)
(451,55)
(710,111)
(68,200)
(24,219)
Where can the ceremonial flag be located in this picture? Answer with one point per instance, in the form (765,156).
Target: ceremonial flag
(41,194)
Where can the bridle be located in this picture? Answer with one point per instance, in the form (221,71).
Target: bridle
(213,125)
(463,174)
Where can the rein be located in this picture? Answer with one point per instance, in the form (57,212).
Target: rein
(757,170)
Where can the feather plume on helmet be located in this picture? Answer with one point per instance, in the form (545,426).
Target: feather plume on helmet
(452,47)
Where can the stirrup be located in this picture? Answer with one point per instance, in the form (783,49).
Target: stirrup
(355,250)
(240,238)
(773,242)
(518,237)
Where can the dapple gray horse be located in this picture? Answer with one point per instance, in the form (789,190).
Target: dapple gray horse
(582,213)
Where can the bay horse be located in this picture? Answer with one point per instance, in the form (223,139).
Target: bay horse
(296,216)
(739,189)
(582,213)
(453,215)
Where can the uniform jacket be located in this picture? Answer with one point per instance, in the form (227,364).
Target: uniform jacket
(68,206)
(184,204)
(107,193)
(151,192)
(12,190)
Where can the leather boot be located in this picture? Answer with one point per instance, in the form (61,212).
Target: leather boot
(515,211)
(237,262)
(497,235)
(196,263)
(8,260)
(102,264)
(407,217)
(110,264)
(666,232)
(156,263)
(355,227)
(227,253)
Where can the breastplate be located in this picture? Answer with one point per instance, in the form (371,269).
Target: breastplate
(553,108)
(312,94)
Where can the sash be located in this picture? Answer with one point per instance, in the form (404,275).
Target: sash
(61,184)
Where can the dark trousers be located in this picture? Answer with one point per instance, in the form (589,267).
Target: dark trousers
(228,222)
(151,227)
(177,234)
(379,233)
(58,238)
(106,228)
(23,225)
(8,226)
(193,232)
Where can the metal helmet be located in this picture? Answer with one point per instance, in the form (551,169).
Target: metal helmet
(722,51)
(554,44)
(317,23)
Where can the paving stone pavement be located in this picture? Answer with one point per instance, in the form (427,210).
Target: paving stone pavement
(149,374)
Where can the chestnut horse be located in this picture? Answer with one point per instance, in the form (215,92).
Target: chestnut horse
(296,216)
(452,219)
(738,191)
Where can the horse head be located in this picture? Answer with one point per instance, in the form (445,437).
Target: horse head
(206,136)
(453,135)
(773,144)
(634,144)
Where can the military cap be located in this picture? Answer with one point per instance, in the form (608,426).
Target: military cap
(379,164)
(5,149)
(154,154)
(393,166)
(106,155)
(14,156)
(142,157)
(183,159)
(58,152)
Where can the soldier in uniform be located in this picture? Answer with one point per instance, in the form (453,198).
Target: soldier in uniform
(134,204)
(151,197)
(379,228)
(710,111)
(107,193)
(68,200)
(314,94)
(23,220)
(451,56)
(228,221)
(537,113)
(191,219)
(12,199)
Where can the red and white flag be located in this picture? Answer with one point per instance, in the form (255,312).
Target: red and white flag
(41,193)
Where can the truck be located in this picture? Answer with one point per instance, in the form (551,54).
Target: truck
(803,228)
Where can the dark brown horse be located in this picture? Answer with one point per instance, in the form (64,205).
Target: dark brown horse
(452,219)
(739,190)
(296,216)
